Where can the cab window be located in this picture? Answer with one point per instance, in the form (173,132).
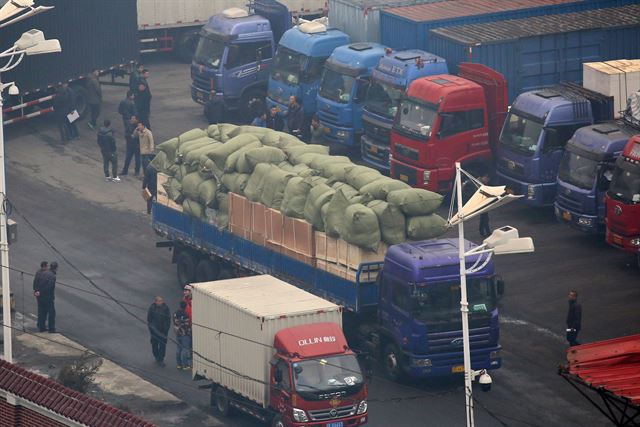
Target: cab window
(283,367)
(557,136)
(247,53)
(460,121)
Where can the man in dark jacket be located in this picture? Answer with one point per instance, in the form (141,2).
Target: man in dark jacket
(150,183)
(295,117)
(143,104)
(127,109)
(45,290)
(107,144)
(37,285)
(159,321)
(274,121)
(574,319)
(134,77)
(63,104)
(133,147)
(94,97)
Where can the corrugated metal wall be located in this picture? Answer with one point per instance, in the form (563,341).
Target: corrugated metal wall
(93,33)
(361,18)
(399,32)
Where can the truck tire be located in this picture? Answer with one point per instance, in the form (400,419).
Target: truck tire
(81,100)
(252,103)
(186,45)
(186,268)
(393,363)
(221,401)
(207,271)
(277,421)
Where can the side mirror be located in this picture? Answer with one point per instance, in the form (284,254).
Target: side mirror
(278,375)
(500,287)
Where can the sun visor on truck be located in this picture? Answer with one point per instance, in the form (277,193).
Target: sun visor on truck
(342,69)
(312,340)
(205,32)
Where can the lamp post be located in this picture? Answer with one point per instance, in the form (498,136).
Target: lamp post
(502,241)
(30,43)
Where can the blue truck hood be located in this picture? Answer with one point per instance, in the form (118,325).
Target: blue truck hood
(314,45)
(356,59)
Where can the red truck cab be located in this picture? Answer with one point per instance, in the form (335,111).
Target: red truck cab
(316,380)
(623,200)
(445,119)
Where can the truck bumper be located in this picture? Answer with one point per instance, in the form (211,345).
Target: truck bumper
(375,154)
(438,180)
(202,96)
(534,194)
(586,223)
(356,420)
(626,243)
(339,135)
(451,363)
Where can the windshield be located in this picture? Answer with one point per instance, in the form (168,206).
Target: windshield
(416,118)
(383,98)
(336,86)
(440,302)
(328,374)
(625,185)
(209,52)
(287,66)
(578,170)
(521,134)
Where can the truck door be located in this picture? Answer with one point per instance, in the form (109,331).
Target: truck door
(463,136)
(605,173)
(555,139)
(395,312)
(248,63)
(280,395)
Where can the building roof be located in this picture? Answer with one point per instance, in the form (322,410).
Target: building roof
(612,366)
(61,400)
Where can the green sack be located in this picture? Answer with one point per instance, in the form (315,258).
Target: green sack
(295,197)
(223,131)
(248,129)
(177,171)
(424,227)
(347,190)
(288,141)
(318,197)
(271,138)
(174,190)
(222,213)
(220,154)
(207,191)
(191,135)
(295,151)
(193,208)
(334,217)
(235,182)
(194,155)
(190,185)
(315,180)
(336,172)
(359,176)
(159,162)
(392,222)
(321,161)
(255,185)
(187,147)
(415,201)
(208,168)
(360,227)
(380,188)
(275,182)
(169,148)
(230,165)
(250,158)
(213,131)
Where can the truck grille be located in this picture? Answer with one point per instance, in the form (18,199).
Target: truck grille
(330,414)
(405,173)
(201,82)
(511,167)
(452,342)
(408,152)
(377,133)
(328,117)
(568,202)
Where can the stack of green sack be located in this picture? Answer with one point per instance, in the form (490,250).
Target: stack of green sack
(355,203)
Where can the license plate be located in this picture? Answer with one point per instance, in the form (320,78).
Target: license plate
(566,216)
(404,178)
(338,424)
(373,149)
(457,369)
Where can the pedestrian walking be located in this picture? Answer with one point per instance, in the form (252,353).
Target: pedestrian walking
(182,325)
(143,104)
(485,229)
(260,120)
(94,96)
(147,146)
(133,147)
(45,291)
(317,131)
(574,319)
(127,109)
(274,120)
(107,144)
(295,117)
(64,103)
(150,184)
(134,77)
(158,322)
(187,297)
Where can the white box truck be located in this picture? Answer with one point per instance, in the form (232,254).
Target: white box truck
(275,352)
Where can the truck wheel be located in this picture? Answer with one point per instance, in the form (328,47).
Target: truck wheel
(277,421)
(221,402)
(186,46)
(392,359)
(186,266)
(81,100)
(206,271)
(252,102)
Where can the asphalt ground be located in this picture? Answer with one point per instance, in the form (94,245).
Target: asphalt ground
(65,209)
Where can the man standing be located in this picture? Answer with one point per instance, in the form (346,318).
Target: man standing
(295,117)
(107,144)
(37,285)
(317,131)
(574,318)
(143,104)
(133,146)
(158,321)
(127,109)
(182,325)
(134,77)
(94,97)
(150,183)
(274,121)
(187,297)
(147,146)
(45,291)
(63,104)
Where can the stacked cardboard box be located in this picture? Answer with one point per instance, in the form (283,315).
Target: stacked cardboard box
(162,197)
(343,259)
(618,78)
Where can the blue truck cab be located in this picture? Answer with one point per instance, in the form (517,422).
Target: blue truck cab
(535,133)
(298,64)
(389,80)
(419,310)
(233,58)
(343,87)
(585,173)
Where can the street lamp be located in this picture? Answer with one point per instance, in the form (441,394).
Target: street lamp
(30,43)
(504,240)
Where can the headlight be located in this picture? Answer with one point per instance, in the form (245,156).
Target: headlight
(425,177)
(342,134)
(494,354)
(362,407)
(635,242)
(299,415)
(531,192)
(422,363)
(585,221)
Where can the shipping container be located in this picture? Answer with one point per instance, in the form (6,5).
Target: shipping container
(248,312)
(543,50)
(361,18)
(408,27)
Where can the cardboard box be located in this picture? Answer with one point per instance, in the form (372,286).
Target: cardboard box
(618,78)
(299,257)
(288,240)
(321,264)
(258,229)
(162,197)
(357,255)
(332,249)
(298,236)
(237,206)
(274,222)
(337,269)
(342,252)
(326,247)
(366,276)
